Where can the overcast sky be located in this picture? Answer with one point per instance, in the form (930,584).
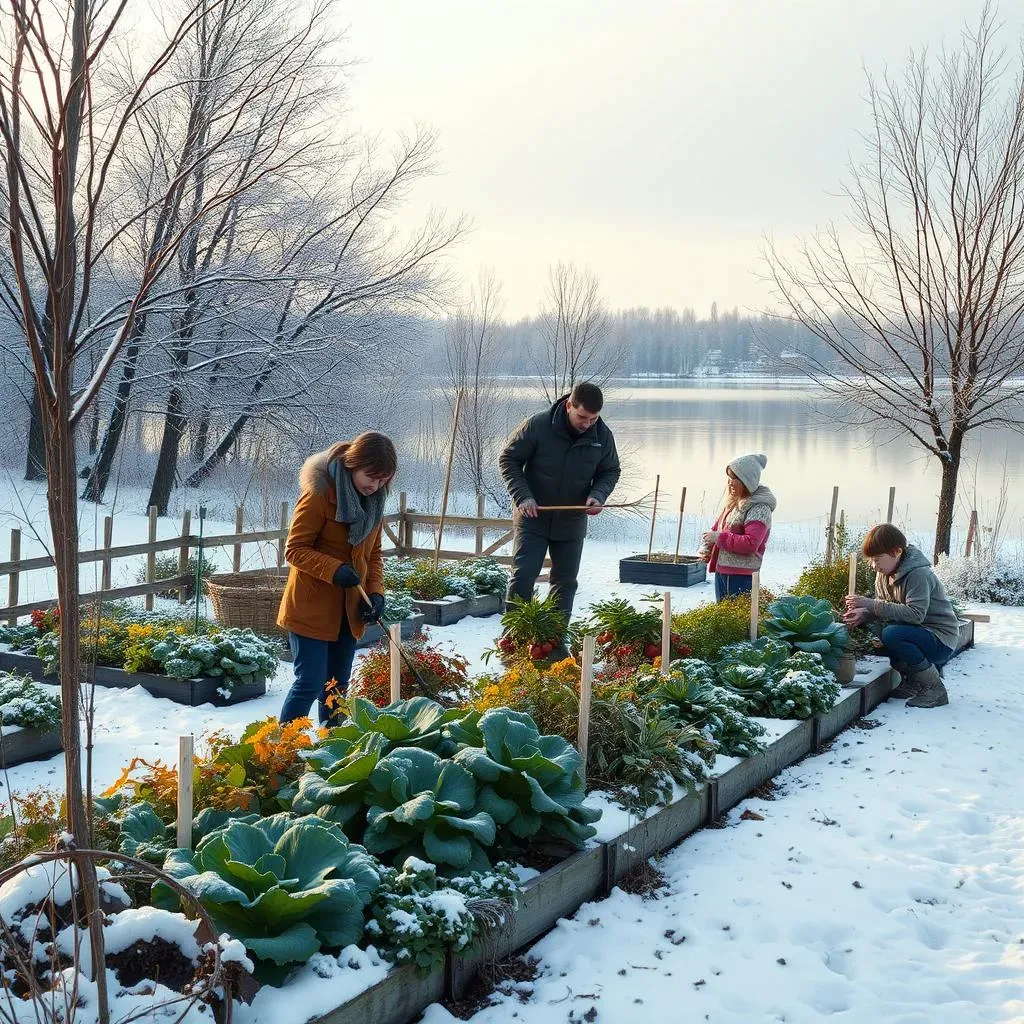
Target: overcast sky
(655,141)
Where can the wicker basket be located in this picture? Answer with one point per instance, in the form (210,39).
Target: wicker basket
(247,600)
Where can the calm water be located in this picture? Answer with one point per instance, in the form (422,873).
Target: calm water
(687,431)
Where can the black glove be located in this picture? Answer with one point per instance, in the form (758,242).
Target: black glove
(346,576)
(374,610)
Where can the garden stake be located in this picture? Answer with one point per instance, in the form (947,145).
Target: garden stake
(666,634)
(199,566)
(972,530)
(395,636)
(586,690)
(853,573)
(892,504)
(832,526)
(186,753)
(448,476)
(755,604)
(679,528)
(396,644)
(654,516)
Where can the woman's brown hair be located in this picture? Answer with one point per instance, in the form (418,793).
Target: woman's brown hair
(372,452)
(883,539)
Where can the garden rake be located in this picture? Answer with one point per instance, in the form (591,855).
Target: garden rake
(391,641)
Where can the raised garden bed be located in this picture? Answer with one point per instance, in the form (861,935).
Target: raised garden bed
(966,635)
(452,609)
(663,571)
(190,692)
(19,744)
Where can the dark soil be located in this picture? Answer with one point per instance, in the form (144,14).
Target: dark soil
(867,723)
(155,960)
(490,978)
(768,790)
(646,881)
(538,861)
(659,556)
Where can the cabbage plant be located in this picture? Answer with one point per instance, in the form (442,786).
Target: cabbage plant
(807,624)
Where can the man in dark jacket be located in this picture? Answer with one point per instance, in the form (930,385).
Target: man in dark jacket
(563,456)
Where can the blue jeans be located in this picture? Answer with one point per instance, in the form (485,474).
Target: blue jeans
(913,645)
(316,663)
(730,586)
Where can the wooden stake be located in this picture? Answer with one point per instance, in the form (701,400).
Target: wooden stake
(892,504)
(284,540)
(108,543)
(481,508)
(186,530)
(186,757)
(396,662)
(654,517)
(679,527)
(755,604)
(151,557)
(853,574)
(831,536)
(236,557)
(447,477)
(13,579)
(972,531)
(666,632)
(586,692)
(841,532)
(404,540)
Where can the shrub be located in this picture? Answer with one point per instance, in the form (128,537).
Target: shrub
(30,823)
(710,627)
(832,582)
(19,637)
(397,571)
(236,655)
(488,575)
(990,581)
(167,568)
(285,888)
(807,624)
(418,919)
(398,607)
(798,686)
(27,704)
(549,695)
(443,673)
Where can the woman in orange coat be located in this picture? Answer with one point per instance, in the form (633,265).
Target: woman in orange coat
(333,548)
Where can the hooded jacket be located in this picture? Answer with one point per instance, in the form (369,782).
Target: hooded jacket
(742,535)
(914,596)
(317,545)
(549,462)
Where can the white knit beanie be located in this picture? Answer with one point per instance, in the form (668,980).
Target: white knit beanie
(748,470)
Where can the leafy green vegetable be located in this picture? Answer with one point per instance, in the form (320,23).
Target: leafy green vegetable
(285,888)
(807,624)
(530,784)
(27,704)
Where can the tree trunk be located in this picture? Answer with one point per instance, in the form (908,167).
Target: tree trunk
(35,460)
(99,475)
(201,439)
(94,429)
(947,495)
(217,456)
(170,446)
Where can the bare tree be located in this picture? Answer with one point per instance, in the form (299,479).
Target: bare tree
(67,130)
(474,342)
(575,343)
(923,302)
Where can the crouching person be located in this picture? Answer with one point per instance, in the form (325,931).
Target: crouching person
(919,627)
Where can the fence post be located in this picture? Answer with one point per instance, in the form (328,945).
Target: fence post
(236,557)
(404,541)
(151,557)
(108,543)
(892,504)
(13,580)
(755,604)
(481,504)
(186,530)
(396,662)
(831,536)
(586,690)
(666,633)
(186,756)
(284,526)
(972,532)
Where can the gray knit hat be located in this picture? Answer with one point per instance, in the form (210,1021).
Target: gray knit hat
(748,470)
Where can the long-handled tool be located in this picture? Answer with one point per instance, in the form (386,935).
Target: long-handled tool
(391,640)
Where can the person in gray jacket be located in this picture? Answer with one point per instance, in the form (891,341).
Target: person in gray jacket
(563,456)
(920,629)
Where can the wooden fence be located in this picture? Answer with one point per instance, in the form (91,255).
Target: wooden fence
(399,539)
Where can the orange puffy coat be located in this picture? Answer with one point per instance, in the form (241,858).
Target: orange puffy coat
(317,544)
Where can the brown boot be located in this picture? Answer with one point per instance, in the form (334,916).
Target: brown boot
(931,693)
(904,688)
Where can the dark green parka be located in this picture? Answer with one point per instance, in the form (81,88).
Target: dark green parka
(546,460)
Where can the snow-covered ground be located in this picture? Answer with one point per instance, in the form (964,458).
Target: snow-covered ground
(885,883)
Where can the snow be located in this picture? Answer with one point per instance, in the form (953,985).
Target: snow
(141,924)
(48,881)
(884,883)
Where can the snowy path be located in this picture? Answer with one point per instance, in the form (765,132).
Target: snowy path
(885,883)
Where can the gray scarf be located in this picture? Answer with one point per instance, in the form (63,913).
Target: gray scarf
(360,512)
